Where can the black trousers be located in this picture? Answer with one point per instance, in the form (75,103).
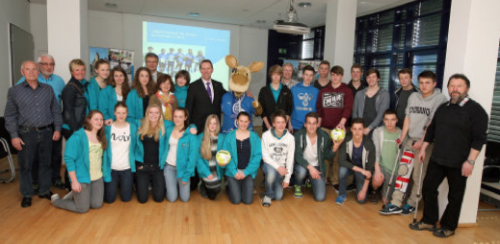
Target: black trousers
(157,180)
(435,175)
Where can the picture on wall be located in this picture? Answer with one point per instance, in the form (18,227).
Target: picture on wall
(115,57)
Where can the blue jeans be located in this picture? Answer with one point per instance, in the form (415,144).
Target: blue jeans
(359,180)
(273,182)
(171,183)
(124,177)
(240,190)
(37,146)
(318,186)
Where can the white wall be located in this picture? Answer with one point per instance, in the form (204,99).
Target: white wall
(16,12)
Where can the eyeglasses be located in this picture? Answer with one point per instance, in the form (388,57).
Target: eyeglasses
(47,64)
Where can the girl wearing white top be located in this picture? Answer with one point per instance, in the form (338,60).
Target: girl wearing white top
(119,156)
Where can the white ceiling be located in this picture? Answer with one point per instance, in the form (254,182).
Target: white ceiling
(238,12)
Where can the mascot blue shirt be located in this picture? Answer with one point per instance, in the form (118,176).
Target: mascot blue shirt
(231,106)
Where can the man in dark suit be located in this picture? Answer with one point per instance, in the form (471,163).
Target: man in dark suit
(204,96)
(151,60)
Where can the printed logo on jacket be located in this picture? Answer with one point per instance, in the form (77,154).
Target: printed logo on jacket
(333,100)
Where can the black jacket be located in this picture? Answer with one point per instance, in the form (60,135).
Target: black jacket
(74,104)
(199,105)
(269,106)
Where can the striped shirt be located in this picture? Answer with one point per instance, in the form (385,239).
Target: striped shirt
(30,107)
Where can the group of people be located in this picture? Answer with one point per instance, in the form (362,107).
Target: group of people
(163,136)
(175,60)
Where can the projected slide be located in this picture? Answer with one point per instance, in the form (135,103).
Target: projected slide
(184,47)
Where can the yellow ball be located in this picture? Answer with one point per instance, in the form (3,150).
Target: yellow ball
(223,157)
(337,134)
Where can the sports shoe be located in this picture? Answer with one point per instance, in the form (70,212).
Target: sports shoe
(340,200)
(443,233)
(390,209)
(374,197)
(298,191)
(53,198)
(308,184)
(266,201)
(59,184)
(422,226)
(351,187)
(336,188)
(408,209)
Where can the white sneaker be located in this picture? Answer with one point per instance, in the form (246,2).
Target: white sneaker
(266,201)
(53,198)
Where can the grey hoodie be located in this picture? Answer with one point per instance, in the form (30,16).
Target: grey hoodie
(421,110)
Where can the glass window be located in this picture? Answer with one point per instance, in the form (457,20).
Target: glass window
(426,31)
(494,130)
(385,75)
(382,39)
(424,58)
(429,6)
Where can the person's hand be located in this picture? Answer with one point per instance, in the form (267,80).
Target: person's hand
(184,183)
(285,184)
(417,145)
(361,195)
(341,126)
(76,186)
(282,171)
(399,141)
(315,173)
(56,136)
(109,122)
(239,176)
(210,177)
(336,144)
(421,156)
(17,143)
(467,169)
(193,131)
(367,174)
(249,94)
(366,131)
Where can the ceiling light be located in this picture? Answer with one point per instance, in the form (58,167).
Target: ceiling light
(111,5)
(193,14)
(305,4)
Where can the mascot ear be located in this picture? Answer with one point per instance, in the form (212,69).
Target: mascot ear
(255,66)
(231,61)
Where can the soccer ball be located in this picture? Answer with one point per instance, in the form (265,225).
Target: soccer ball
(337,134)
(223,157)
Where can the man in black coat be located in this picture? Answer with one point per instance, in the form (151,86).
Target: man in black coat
(204,96)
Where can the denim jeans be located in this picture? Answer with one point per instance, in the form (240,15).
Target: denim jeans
(359,180)
(174,186)
(318,186)
(90,196)
(157,183)
(273,182)
(37,145)
(240,190)
(125,179)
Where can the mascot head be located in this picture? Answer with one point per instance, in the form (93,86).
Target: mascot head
(241,75)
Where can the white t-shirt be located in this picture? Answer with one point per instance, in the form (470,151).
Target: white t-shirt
(119,98)
(311,152)
(172,151)
(120,147)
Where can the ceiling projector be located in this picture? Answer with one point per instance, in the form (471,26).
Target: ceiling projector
(290,25)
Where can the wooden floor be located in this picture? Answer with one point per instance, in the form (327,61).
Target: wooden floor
(203,221)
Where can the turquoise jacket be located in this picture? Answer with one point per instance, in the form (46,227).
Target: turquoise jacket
(108,155)
(93,89)
(202,164)
(188,152)
(134,104)
(139,147)
(255,154)
(181,95)
(107,102)
(76,157)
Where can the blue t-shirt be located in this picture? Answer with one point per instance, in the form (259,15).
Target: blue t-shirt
(357,155)
(276,93)
(304,102)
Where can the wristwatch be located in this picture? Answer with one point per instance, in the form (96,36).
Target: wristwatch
(471,161)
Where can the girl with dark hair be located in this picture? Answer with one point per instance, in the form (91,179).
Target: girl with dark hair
(138,99)
(83,158)
(98,82)
(116,91)
(165,96)
(182,80)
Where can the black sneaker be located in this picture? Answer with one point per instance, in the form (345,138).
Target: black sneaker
(374,197)
(422,226)
(351,187)
(408,209)
(443,233)
(390,209)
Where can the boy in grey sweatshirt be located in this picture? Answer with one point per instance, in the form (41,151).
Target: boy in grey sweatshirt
(419,112)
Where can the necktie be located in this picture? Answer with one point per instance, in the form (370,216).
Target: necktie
(209,91)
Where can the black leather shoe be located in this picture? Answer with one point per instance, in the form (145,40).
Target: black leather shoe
(26,202)
(46,196)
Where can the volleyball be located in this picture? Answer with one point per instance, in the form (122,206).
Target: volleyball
(337,134)
(223,157)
